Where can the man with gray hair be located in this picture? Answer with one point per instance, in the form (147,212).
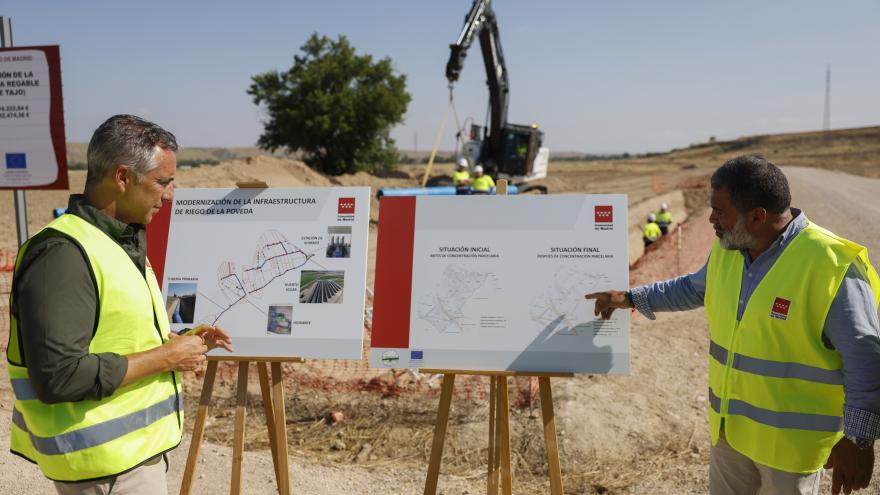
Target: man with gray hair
(93,365)
(794,349)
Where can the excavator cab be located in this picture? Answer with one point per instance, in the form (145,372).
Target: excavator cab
(520,155)
(519,148)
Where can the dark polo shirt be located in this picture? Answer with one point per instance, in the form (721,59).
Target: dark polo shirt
(55,300)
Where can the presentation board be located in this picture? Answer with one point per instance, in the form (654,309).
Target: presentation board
(33,153)
(497,283)
(282,270)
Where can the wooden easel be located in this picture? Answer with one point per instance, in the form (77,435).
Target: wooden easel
(273,403)
(499,423)
(499,429)
(276,421)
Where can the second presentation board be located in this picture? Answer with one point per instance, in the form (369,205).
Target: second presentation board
(497,283)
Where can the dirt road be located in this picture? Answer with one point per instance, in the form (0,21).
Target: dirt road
(848,205)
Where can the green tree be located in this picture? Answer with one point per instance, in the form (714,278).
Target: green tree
(335,106)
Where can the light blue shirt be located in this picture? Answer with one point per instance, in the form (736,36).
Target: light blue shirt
(852,326)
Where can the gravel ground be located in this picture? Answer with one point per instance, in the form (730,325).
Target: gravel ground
(18,477)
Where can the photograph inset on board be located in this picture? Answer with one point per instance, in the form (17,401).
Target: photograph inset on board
(280,318)
(339,241)
(321,286)
(181,302)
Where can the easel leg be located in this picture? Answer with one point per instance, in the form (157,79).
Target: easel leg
(492,474)
(192,458)
(550,436)
(280,429)
(439,434)
(238,440)
(504,437)
(269,408)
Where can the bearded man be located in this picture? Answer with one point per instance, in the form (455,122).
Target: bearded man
(794,351)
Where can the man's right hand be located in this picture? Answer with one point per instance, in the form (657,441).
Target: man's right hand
(607,302)
(185,353)
(179,353)
(851,467)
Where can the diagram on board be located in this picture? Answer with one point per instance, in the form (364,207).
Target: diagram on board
(274,257)
(561,304)
(282,270)
(446,308)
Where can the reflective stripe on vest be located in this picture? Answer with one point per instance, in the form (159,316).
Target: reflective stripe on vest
(800,421)
(22,389)
(774,384)
(89,439)
(776,369)
(100,433)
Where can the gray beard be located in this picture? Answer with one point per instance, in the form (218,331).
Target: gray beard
(737,237)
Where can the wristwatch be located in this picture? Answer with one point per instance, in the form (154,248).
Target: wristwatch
(862,443)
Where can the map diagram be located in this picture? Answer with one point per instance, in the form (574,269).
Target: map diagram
(273,257)
(562,305)
(444,308)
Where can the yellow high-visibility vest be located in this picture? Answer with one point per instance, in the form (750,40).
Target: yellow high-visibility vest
(75,441)
(664,217)
(458,177)
(776,386)
(652,231)
(483,183)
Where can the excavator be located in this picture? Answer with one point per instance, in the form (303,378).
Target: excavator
(505,150)
(508,151)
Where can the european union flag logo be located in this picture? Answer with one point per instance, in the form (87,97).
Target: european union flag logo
(415,355)
(16,160)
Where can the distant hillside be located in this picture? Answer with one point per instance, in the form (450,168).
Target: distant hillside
(76,155)
(422,156)
(852,150)
(855,151)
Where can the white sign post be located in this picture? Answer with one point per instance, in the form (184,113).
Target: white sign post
(33,151)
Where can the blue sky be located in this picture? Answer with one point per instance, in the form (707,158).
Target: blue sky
(596,76)
(182,289)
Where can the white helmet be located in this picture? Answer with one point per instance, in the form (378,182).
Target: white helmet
(652,217)
(478,169)
(663,206)
(462,162)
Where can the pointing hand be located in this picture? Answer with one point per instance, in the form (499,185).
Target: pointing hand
(607,302)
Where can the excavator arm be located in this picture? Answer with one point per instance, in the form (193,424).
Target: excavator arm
(481,23)
(508,149)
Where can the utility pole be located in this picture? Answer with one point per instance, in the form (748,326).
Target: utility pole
(21,222)
(826,121)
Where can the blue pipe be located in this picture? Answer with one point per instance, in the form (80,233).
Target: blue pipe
(430,191)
